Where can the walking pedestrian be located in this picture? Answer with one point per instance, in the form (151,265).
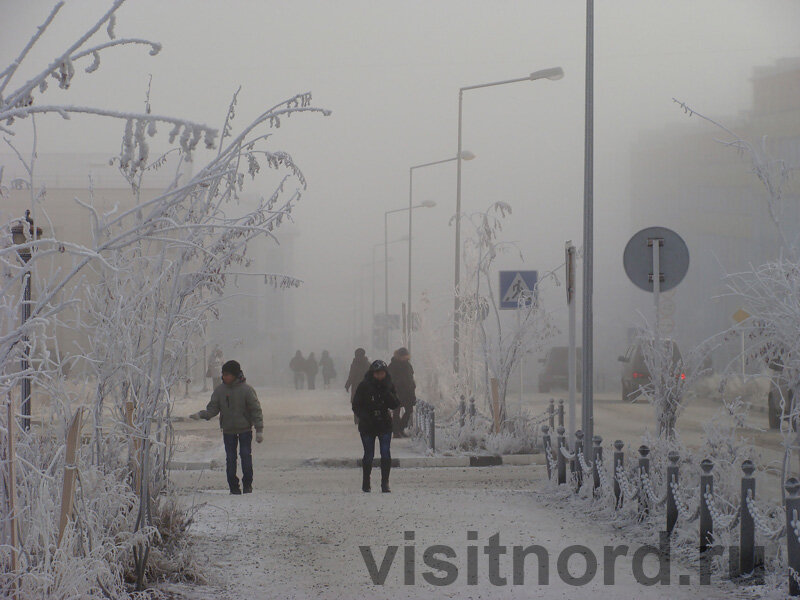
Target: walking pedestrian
(374,400)
(328,370)
(298,367)
(311,370)
(403,378)
(358,368)
(239,411)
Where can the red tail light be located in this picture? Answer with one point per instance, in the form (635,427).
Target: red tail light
(637,375)
(683,375)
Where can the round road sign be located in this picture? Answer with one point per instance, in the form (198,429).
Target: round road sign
(673,258)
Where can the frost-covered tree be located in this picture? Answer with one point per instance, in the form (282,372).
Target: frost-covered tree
(769,292)
(141,288)
(494,348)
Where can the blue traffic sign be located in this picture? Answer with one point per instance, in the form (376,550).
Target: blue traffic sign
(517,288)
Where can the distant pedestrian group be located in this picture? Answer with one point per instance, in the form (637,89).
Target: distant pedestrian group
(305,370)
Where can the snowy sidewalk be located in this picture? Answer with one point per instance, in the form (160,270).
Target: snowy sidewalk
(309,532)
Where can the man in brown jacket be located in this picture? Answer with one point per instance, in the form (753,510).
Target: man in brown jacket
(239,411)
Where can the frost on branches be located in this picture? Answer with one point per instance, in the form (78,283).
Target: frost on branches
(768,292)
(146,284)
(491,348)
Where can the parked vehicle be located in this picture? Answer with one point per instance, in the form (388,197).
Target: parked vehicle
(555,374)
(635,374)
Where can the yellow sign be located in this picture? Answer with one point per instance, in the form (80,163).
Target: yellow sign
(741,315)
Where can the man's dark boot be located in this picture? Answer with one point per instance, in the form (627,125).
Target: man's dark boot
(366,470)
(236,491)
(386,466)
(247,488)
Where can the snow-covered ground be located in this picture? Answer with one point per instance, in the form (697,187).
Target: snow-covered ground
(301,533)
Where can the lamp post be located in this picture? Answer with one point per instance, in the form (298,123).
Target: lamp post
(23,239)
(587,341)
(553,74)
(386,258)
(409,208)
(465,155)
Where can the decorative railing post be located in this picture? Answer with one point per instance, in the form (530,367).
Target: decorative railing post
(598,457)
(561,413)
(578,452)
(472,412)
(561,461)
(619,463)
(432,425)
(747,529)
(644,471)
(551,411)
(706,497)
(792,487)
(546,443)
(673,471)
(462,412)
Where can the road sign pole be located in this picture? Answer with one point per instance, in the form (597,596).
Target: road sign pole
(573,351)
(522,354)
(656,243)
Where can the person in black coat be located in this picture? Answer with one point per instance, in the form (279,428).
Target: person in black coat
(312,367)
(298,367)
(358,368)
(374,400)
(403,378)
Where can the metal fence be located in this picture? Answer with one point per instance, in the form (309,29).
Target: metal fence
(566,465)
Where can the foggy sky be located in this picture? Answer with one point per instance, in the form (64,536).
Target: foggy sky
(390,72)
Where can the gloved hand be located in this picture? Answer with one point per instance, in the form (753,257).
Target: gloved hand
(259,437)
(195,416)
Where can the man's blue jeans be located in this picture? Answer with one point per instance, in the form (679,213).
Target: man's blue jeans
(245,443)
(384,440)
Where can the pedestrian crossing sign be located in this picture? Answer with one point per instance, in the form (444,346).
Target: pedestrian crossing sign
(517,288)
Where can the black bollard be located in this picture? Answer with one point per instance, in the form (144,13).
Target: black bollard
(432,435)
(561,413)
(551,410)
(561,461)
(644,469)
(546,444)
(472,412)
(792,487)
(462,412)
(672,503)
(747,530)
(706,489)
(619,462)
(598,457)
(578,452)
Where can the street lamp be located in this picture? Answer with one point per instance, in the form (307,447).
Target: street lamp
(23,239)
(464,155)
(426,204)
(386,258)
(552,74)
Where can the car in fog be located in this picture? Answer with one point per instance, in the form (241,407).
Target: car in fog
(635,374)
(555,374)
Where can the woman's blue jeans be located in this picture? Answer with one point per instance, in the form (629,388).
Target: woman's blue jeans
(368,440)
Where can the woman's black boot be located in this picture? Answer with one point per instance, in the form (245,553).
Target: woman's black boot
(386,466)
(366,470)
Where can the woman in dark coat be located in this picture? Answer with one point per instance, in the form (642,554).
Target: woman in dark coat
(358,368)
(328,370)
(374,400)
(311,370)
(298,367)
